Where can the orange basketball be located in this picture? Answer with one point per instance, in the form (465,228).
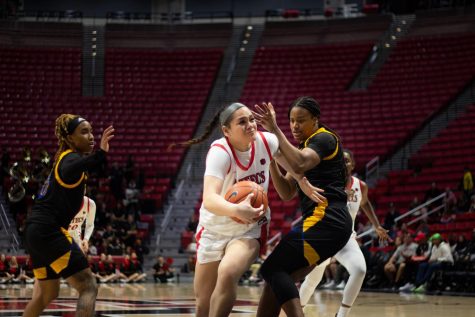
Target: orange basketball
(239,191)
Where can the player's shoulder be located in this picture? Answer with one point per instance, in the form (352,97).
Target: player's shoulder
(359,181)
(323,136)
(269,138)
(92,203)
(219,146)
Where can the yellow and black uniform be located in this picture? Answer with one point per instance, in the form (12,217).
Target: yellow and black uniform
(324,229)
(53,252)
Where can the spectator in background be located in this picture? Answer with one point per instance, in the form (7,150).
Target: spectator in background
(93,267)
(132,268)
(470,253)
(5,275)
(447,218)
(130,230)
(432,192)
(472,204)
(131,200)
(396,265)
(467,185)
(109,234)
(389,220)
(163,272)
(414,203)
(119,212)
(440,256)
(26,272)
(450,200)
(461,248)
(14,268)
(92,249)
(140,249)
(115,247)
(412,265)
(423,227)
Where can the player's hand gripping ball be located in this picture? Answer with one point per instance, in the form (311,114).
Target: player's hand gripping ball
(239,191)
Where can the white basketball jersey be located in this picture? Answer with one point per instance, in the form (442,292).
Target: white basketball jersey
(86,213)
(354,198)
(255,170)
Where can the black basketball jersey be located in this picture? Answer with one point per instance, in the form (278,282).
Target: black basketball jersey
(329,174)
(62,194)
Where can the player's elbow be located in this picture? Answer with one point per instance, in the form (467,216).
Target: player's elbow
(287,194)
(299,168)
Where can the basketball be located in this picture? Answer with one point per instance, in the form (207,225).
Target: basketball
(239,191)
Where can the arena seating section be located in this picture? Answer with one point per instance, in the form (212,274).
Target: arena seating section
(442,161)
(153,96)
(421,76)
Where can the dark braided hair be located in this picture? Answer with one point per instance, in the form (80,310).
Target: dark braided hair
(61,132)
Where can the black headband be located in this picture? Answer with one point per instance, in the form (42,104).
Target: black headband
(73,124)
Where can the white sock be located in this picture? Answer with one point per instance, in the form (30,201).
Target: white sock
(343,312)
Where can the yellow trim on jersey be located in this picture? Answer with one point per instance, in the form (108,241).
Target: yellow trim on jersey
(318,214)
(310,254)
(322,130)
(59,180)
(61,263)
(68,236)
(329,157)
(40,273)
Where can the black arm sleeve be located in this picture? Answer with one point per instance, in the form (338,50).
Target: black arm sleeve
(74,164)
(323,143)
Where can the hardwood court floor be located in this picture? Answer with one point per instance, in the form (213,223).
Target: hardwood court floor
(135,300)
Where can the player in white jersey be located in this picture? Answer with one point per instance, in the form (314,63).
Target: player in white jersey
(87,214)
(226,248)
(350,256)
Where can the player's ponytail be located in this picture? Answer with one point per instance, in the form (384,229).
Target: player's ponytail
(223,117)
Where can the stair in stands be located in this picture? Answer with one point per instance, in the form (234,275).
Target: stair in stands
(93,60)
(398,28)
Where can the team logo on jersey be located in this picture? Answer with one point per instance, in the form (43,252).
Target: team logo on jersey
(352,197)
(259,178)
(262,221)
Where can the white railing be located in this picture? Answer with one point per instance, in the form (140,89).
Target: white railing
(8,229)
(372,171)
(413,211)
(168,212)
(427,203)
(405,215)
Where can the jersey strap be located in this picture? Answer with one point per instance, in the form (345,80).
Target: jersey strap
(266,144)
